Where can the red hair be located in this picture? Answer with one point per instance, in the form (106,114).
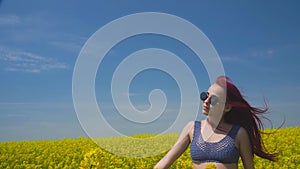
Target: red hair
(243,114)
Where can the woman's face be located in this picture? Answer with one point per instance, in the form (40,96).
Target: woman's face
(214,105)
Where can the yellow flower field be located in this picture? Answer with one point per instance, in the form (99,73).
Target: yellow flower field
(85,154)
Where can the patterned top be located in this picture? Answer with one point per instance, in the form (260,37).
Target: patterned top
(223,151)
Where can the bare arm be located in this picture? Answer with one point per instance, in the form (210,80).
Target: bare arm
(179,148)
(245,149)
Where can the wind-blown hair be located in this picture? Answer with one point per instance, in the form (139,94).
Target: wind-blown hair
(243,114)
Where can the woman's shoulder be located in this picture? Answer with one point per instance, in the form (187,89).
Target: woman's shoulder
(242,133)
(190,124)
(189,128)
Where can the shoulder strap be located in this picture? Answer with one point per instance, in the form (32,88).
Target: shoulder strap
(233,131)
(197,128)
(198,124)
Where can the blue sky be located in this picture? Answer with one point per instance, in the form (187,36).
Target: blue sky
(258,43)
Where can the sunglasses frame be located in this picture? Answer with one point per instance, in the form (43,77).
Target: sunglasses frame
(213,99)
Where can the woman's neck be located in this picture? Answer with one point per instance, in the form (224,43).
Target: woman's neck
(221,126)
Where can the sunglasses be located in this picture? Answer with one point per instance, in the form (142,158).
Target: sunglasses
(212,100)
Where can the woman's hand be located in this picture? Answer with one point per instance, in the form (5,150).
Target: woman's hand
(179,147)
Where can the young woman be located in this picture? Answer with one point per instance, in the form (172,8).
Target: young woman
(231,130)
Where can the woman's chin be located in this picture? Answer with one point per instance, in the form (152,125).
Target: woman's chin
(205,113)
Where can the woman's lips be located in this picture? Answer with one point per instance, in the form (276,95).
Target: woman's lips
(205,108)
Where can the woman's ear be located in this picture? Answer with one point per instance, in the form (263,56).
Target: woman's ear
(227,107)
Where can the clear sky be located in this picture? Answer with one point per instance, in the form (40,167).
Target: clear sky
(258,43)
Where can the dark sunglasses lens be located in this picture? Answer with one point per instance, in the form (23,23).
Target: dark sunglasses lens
(203,96)
(213,100)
